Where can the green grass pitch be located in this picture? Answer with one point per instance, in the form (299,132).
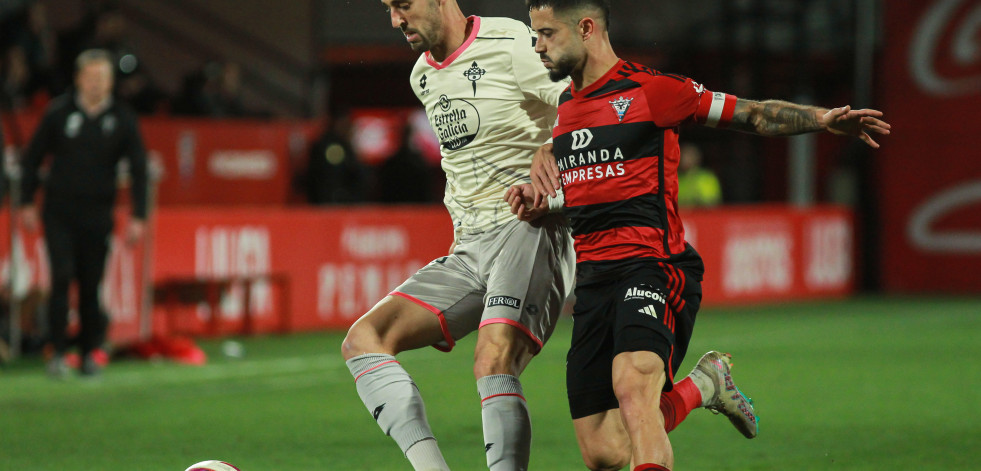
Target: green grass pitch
(861,384)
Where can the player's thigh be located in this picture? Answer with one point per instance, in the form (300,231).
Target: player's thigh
(638,378)
(393,325)
(589,362)
(449,289)
(60,244)
(651,316)
(530,271)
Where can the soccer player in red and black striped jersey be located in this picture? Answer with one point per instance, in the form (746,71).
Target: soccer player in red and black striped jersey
(615,156)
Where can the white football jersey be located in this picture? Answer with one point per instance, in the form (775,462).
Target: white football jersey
(491,105)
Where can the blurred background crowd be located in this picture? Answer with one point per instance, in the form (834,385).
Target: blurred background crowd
(321,60)
(37,55)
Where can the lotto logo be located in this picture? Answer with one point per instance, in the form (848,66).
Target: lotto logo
(581,139)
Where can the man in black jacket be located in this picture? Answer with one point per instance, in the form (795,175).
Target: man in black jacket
(87,134)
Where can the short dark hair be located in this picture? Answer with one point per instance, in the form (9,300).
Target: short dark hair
(565,6)
(90,56)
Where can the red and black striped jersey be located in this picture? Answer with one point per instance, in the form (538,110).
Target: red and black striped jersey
(616,143)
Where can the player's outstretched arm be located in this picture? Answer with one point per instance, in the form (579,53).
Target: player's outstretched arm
(781,118)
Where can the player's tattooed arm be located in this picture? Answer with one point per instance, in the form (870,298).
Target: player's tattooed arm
(776,118)
(781,118)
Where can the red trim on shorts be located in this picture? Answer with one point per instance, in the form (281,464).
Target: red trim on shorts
(676,281)
(676,277)
(373,368)
(439,314)
(521,327)
(504,394)
(681,301)
(449,60)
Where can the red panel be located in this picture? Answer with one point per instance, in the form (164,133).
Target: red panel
(216,161)
(340,262)
(930,91)
(773,253)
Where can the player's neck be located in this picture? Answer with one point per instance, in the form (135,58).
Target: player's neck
(457,29)
(600,58)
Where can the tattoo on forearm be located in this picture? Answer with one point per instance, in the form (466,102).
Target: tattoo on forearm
(774,118)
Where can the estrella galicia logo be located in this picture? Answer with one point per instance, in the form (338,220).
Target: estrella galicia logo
(473,74)
(581,139)
(504,301)
(455,122)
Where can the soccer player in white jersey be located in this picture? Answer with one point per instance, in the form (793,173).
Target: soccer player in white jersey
(492,105)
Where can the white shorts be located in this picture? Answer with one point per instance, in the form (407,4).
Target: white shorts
(517,273)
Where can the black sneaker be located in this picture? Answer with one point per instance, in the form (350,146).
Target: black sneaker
(57,367)
(90,368)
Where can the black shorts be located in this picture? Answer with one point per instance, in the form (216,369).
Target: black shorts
(646,306)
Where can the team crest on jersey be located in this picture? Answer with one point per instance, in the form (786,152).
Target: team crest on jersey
(473,74)
(621,105)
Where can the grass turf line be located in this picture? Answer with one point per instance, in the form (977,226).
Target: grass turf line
(862,384)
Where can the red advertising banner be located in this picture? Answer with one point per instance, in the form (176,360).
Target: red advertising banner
(215,162)
(225,162)
(237,270)
(339,263)
(773,253)
(930,167)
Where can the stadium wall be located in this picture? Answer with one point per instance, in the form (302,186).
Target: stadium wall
(338,262)
(929,168)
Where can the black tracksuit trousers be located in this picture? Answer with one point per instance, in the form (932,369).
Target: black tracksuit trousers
(77,235)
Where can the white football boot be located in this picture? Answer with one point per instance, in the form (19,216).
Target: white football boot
(713,374)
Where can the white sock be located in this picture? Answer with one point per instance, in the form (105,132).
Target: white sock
(705,385)
(424,455)
(394,401)
(507,424)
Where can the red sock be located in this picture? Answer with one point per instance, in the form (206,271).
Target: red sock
(651,467)
(676,404)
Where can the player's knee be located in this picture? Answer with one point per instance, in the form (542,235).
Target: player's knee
(492,359)
(501,354)
(360,339)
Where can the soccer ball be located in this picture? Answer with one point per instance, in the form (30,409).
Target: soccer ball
(212,465)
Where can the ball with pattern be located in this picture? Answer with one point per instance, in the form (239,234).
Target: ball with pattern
(212,465)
